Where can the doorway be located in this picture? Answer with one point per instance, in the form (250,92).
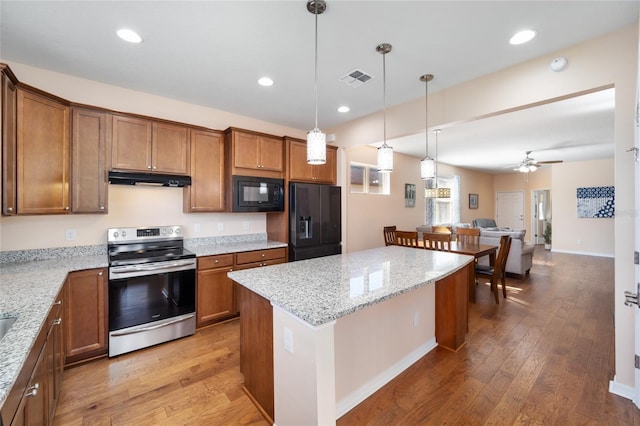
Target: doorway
(510,209)
(540,214)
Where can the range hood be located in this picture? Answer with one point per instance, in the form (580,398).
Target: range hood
(132,178)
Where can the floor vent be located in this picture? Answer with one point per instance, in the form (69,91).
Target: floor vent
(355,78)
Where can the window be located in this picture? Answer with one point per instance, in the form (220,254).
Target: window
(443,211)
(366,179)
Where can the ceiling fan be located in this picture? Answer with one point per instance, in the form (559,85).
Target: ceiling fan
(528,164)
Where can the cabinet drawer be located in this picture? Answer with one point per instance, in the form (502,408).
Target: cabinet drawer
(259,264)
(219,261)
(260,255)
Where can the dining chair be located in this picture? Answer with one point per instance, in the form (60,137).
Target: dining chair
(389,233)
(440,241)
(497,272)
(407,238)
(468,235)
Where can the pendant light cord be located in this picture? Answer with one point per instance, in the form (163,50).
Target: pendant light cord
(384,99)
(316,64)
(426,117)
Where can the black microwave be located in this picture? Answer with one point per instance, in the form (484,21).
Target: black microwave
(255,194)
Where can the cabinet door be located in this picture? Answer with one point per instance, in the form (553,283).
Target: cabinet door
(131,144)
(170,149)
(207,191)
(8,126)
(271,154)
(54,362)
(42,155)
(246,151)
(215,296)
(85,315)
(327,173)
(33,406)
(90,130)
(301,171)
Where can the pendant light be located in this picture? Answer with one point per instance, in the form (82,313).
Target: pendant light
(437,192)
(385,152)
(427,165)
(316,140)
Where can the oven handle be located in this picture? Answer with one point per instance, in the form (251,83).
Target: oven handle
(189,264)
(152,327)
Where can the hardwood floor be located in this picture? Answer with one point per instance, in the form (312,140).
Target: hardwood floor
(543,356)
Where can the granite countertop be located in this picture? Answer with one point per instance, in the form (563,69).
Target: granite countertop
(327,288)
(28,288)
(27,292)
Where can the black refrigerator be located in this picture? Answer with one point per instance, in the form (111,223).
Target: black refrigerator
(315,227)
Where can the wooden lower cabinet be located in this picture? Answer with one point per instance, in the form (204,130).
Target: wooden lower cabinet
(85,316)
(37,395)
(215,297)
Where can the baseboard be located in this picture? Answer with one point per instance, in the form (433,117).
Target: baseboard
(363,392)
(621,390)
(583,253)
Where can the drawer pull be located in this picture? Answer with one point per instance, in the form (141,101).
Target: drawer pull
(33,390)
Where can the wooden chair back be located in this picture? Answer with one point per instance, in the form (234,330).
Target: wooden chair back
(468,235)
(407,238)
(497,273)
(389,233)
(440,241)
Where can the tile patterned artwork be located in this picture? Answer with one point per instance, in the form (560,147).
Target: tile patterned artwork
(596,201)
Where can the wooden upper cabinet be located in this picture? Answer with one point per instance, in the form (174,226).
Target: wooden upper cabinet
(8,104)
(147,146)
(42,154)
(89,136)
(207,190)
(255,154)
(170,149)
(300,171)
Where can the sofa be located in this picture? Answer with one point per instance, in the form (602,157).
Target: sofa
(520,257)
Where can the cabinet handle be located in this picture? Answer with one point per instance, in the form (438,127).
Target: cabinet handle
(9,209)
(59,302)
(100,273)
(33,390)
(148,167)
(216,261)
(101,207)
(57,321)
(154,167)
(66,208)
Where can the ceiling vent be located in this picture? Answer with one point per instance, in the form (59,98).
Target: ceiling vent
(355,78)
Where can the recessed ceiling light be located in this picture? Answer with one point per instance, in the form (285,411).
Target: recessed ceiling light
(265,81)
(522,36)
(129,35)
(344,108)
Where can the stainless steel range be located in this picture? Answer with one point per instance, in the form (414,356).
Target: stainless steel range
(152,287)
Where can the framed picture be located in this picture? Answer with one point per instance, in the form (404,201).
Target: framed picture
(473,201)
(409,195)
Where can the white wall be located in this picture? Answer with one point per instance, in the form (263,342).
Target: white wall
(580,235)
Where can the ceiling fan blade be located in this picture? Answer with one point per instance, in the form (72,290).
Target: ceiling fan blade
(549,162)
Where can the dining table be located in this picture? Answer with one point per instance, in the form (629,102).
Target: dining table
(475,250)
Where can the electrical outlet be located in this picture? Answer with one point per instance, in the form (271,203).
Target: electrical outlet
(220,227)
(416,317)
(197,228)
(288,340)
(246,225)
(70,234)
(579,242)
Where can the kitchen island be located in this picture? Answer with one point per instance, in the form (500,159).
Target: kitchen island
(321,335)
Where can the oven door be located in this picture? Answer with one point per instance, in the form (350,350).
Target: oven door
(141,294)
